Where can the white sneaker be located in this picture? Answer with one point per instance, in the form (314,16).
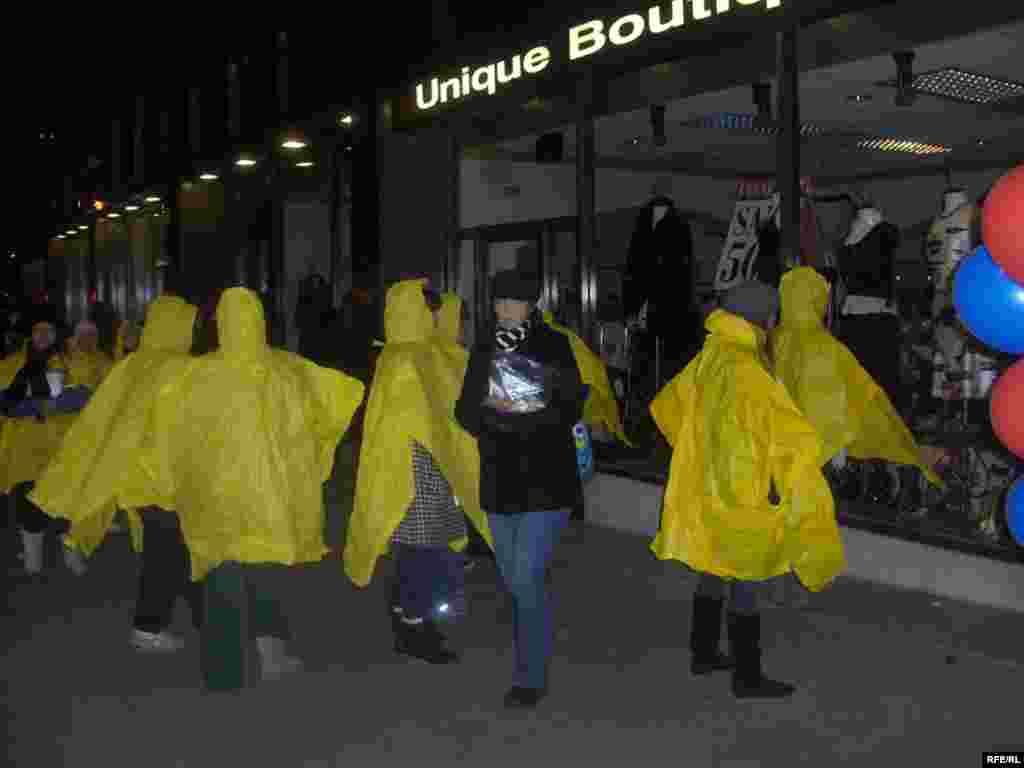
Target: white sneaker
(75,561)
(159,642)
(274,661)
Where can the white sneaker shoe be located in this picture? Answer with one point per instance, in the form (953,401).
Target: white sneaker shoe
(274,661)
(159,642)
(75,561)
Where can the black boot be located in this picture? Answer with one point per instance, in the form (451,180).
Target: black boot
(748,681)
(423,640)
(705,632)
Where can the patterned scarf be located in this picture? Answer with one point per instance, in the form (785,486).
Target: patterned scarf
(510,339)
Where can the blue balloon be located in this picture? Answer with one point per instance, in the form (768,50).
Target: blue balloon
(990,303)
(1015,511)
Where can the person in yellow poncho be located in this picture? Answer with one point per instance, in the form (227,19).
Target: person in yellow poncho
(96,470)
(32,428)
(240,443)
(89,364)
(413,464)
(850,411)
(746,500)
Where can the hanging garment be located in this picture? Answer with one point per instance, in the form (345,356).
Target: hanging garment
(412,398)
(866,263)
(96,469)
(950,239)
(846,406)
(735,434)
(241,442)
(659,273)
(601,409)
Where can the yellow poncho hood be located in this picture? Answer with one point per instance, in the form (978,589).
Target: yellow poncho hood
(734,431)
(412,397)
(842,401)
(601,408)
(96,468)
(242,440)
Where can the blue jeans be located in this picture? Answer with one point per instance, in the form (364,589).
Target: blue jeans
(523,546)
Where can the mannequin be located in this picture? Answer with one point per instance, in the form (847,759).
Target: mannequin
(870,324)
(659,284)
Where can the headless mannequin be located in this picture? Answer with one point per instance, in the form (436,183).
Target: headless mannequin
(949,240)
(870,325)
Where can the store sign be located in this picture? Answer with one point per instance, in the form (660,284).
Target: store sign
(742,245)
(584,40)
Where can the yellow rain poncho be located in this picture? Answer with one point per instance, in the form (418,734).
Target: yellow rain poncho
(96,468)
(837,395)
(241,442)
(735,431)
(89,369)
(26,444)
(412,397)
(601,408)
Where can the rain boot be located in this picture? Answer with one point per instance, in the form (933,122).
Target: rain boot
(705,634)
(421,639)
(32,547)
(748,680)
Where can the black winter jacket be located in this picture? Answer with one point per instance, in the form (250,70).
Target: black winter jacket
(527,461)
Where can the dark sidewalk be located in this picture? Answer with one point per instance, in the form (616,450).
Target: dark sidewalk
(886,678)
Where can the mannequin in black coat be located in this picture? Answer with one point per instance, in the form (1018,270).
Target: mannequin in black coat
(660,272)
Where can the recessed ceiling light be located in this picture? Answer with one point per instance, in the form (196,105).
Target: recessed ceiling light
(346,120)
(83,227)
(153,199)
(131,208)
(245,162)
(859,98)
(294,144)
(71,232)
(305,164)
(62,237)
(113,215)
(208,176)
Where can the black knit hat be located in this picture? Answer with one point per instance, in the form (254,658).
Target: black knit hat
(519,286)
(754,301)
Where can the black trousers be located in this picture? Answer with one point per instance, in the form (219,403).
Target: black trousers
(30,517)
(165,573)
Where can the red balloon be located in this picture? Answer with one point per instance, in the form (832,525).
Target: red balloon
(1002,223)
(1007,408)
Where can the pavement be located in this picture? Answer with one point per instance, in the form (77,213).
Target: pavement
(886,677)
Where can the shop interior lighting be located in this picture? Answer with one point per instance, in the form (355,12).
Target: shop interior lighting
(245,162)
(305,164)
(294,144)
(963,86)
(906,146)
(208,176)
(747,123)
(71,232)
(346,120)
(153,199)
(131,208)
(113,215)
(62,237)
(83,227)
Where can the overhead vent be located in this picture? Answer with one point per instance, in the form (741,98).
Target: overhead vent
(963,86)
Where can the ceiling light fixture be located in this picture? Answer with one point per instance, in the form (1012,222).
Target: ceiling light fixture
(62,237)
(83,227)
(305,164)
(153,199)
(113,215)
(245,162)
(294,144)
(346,120)
(71,232)
(208,176)
(906,146)
(131,208)
(963,86)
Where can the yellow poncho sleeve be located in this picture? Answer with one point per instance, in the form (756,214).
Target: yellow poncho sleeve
(601,408)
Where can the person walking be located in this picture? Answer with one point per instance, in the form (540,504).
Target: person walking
(241,442)
(411,469)
(529,479)
(746,500)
